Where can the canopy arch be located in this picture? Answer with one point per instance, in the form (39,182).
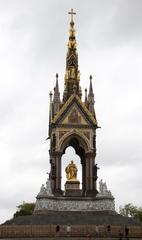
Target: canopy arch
(76,140)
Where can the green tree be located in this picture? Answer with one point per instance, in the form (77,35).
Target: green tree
(129,210)
(24,209)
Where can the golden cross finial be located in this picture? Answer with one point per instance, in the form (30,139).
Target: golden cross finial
(72,13)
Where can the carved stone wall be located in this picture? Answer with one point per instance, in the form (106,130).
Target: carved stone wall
(62,204)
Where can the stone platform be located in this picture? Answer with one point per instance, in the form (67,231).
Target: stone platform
(82,214)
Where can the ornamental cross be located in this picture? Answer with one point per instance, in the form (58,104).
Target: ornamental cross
(72,13)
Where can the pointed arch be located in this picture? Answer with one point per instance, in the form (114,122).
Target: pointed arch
(76,140)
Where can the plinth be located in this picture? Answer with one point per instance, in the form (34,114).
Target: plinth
(72,188)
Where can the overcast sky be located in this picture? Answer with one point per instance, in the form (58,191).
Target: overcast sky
(33,45)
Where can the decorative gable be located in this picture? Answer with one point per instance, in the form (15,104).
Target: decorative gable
(74,112)
(74,116)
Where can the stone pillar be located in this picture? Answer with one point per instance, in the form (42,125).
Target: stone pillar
(56,173)
(53,172)
(87,171)
(95,169)
(90,186)
(83,163)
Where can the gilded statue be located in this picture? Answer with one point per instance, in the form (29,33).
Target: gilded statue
(78,75)
(73,73)
(71,171)
(67,74)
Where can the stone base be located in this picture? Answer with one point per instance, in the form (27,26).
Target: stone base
(73,193)
(72,189)
(74,185)
(45,204)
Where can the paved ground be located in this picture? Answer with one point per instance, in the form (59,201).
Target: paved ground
(69,238)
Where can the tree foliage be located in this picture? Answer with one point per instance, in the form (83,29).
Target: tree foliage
(24,209)
(129,210)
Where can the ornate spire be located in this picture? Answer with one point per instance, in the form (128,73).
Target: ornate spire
(91,87)
(72,75)
(86,99)
(57,86)
(91,97)
(56,99)
(50,113)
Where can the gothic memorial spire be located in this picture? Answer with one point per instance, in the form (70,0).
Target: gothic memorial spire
(72,122)
(72,75)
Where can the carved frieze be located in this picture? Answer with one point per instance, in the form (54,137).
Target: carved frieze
(100,204)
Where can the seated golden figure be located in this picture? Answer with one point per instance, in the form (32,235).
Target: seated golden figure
(71,171)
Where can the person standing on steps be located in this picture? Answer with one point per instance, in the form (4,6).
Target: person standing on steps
(120,235)
(108,230)
(126,232)
(97,231)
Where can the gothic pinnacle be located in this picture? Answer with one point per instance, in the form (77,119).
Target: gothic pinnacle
(56,76)
(57,86)
(85,95)
(91,87)
(50,95)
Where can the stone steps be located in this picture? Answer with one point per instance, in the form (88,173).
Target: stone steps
(74,218)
